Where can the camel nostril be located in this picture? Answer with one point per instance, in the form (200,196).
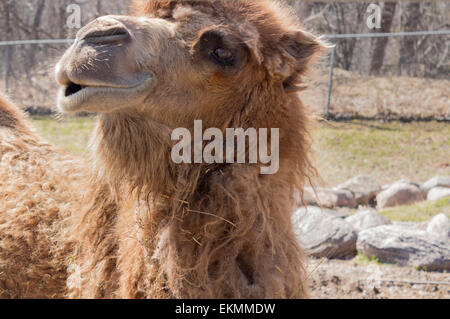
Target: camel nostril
(115,34)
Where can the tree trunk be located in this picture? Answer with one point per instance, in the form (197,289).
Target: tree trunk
(37,19)
(347,22)
(411,22)
(381,43)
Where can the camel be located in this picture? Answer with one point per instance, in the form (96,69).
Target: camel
(136,224)
(37,197)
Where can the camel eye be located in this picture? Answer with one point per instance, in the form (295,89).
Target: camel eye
(223,55)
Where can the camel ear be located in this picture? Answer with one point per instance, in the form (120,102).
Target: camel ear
(302,45)
(298,49)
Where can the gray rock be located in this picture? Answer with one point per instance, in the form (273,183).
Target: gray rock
(411,225)
(437,181)
(308,195)
(341,212)
(366,219)
(323,235)
(399,193)
(403,180)
(439,226)
(329,198)
(406,181)
(438,192)
(405,247)
(317,210)
(363,187)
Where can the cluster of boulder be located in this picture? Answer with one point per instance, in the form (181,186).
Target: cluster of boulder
(325,231)
(365,190)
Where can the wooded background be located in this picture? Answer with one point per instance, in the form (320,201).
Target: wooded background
(422,56)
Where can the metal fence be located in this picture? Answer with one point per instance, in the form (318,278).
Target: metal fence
(334,39)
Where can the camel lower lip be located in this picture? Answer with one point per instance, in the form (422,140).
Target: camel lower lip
(75,101)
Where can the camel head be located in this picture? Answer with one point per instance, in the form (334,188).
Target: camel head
(230,64)
(176,61)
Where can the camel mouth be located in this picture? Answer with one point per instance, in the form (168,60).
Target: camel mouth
(73,88)
(76,97)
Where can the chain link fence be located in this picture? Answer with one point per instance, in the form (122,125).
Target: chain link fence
(333,93)
(413,110)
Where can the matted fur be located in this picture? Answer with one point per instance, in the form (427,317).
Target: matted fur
(153,229)
(39,191)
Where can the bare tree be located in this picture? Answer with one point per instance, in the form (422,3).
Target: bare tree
(344,17)
(410,22)
(380,43)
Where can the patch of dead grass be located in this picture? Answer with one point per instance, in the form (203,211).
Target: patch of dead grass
(419,212)
(365,96)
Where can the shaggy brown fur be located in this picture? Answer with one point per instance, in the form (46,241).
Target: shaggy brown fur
(39,189)
(11,117)
(155,229)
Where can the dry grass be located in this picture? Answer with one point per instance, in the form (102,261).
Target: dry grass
(419,212)
(355,95)
(388,151)
(68,133)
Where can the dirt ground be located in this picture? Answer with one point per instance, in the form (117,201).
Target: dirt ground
(343,279)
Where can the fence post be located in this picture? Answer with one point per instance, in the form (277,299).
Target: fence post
(330,81)
(6,68)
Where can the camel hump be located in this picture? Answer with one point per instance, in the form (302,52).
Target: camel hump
(11,116)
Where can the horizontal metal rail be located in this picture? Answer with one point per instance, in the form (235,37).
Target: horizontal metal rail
(46,41)
(385,34)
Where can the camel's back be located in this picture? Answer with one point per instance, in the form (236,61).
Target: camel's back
(39,190)
(10,116)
